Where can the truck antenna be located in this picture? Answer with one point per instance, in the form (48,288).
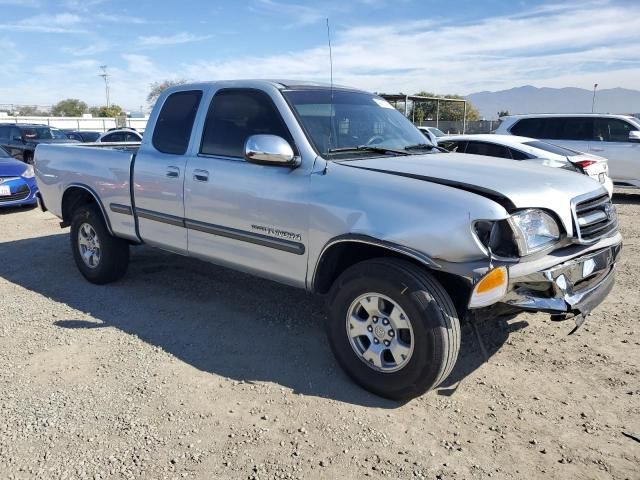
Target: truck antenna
(331,80)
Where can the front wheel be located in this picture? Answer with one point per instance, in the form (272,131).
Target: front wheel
(393,328)
(100,257)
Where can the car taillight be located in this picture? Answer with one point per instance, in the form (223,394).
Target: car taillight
(585,163)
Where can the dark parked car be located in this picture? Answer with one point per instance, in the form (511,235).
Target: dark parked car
(17,182)
(82,136)
(20,140)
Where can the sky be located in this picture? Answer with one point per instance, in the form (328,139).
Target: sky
(54,49)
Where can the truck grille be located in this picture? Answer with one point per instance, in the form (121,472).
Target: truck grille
(594,218)
(20,194)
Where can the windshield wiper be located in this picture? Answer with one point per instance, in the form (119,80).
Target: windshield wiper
(367,148)
(421,146)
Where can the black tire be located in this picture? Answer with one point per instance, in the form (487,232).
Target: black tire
(433,318)
(114,252)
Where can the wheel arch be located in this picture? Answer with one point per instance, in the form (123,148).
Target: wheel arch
(77,195)
(343,252)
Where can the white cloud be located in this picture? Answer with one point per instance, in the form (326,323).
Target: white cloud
(58,23)
(568,44)
(106,17)
(498,52)
(178,38)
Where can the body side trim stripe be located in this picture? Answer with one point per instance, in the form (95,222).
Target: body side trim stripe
(118,208)
(289,246)
(243,236)
(160,217)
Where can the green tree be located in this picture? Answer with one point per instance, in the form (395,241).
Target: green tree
(106,112)
(71,107)
(448,110)
(503,113)
(156,88)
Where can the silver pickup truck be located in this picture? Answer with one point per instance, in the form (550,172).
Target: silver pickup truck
(332,190)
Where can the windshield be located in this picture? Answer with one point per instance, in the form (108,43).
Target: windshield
(4,153)
(42,133)
(548,147)
(356,119)
(436,132)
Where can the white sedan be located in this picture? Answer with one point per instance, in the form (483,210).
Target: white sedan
(530,149)
(121,135)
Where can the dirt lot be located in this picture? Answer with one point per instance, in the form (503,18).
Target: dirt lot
(184,369)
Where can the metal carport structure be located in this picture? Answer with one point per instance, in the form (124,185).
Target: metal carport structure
(401,97)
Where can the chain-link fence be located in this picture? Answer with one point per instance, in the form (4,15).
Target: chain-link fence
(98,124)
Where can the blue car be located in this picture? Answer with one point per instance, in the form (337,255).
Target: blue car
(17,182)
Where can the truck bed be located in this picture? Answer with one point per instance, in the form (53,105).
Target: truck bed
(104,169)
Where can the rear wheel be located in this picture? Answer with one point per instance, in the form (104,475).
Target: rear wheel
(100,257)
(393,328)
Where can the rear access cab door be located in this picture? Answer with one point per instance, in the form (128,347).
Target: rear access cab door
(159,169)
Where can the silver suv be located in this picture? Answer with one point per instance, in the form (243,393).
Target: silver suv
(615,137)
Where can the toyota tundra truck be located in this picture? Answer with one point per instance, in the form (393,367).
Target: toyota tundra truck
(333,190)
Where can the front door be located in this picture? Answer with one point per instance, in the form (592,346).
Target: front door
(612,142)
(239,214)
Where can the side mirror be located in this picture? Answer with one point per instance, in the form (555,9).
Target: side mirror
(270,150)
(634,136)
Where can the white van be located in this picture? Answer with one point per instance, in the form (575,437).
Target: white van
(616,137)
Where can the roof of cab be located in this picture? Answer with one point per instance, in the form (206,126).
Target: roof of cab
(280,84)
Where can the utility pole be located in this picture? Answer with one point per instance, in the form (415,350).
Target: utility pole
(105,76)
(593,102)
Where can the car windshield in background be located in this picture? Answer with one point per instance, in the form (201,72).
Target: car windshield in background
(43,133)
(437,132)
(4,153)
(548,147)
(346,123)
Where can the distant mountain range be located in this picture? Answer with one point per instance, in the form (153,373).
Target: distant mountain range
(529,99)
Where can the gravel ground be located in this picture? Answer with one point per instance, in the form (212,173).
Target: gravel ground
(184,369)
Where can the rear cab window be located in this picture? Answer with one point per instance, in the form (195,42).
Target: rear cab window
(548,147)
(175,122)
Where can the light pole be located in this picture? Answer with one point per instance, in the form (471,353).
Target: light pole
(593,102)
(105,76)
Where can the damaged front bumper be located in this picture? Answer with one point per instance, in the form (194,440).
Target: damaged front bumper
(569,283)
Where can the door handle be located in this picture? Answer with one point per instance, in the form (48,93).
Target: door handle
(598,149)
(201,175)
(173,172)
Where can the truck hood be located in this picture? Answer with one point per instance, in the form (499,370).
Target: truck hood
(511,183)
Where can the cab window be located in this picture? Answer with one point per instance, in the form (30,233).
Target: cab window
(488,149)
(612,130)
(236,114)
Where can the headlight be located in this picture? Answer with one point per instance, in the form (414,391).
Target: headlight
(28,173)
(534,230)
